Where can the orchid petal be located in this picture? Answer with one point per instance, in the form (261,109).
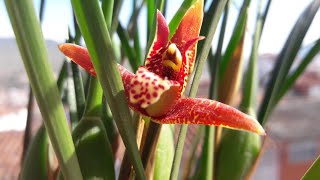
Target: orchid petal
(159,45)
(187,59)
(190,53)
(188,29)
(79,55)
(209,112)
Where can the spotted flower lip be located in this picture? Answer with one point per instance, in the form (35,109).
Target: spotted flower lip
(156,89)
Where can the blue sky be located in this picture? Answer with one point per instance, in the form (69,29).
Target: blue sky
(281,19)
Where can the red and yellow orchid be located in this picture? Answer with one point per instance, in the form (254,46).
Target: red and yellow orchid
(157,88)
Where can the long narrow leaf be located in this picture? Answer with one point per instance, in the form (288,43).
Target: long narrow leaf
(174,23)
(191,159)
(30,107)
(71,99)
(78,88)
(107,8)
(34,55)
(93,149)
(132,26)
(164,153)
(27,132)
(313,172)
(94,99)
(235,38)
(152,29)
(194,87)
(230,78)
(242,148)
(248,103)
(239,148)
(285,60)
(292,77)
(98,41)
(230,82)
(151,8)
(115,15)
(129,51)
(214,62)
(36,157)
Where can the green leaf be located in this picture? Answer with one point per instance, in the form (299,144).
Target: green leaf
(230,81)
(98,41)
(132,26)
(36,157)
(34,55)
(235,37)
(313,172)
(108,122)
(196,80)
(240,149)
(78,88)
(93,149)
(94,98)
(177,18)
(107,8)
(292,77)
(285,60)
(152,21)
(129,51)
(214,61)
(248,103)
(115,16)
(71,98)
(151,8)
(62,77)
(207,155)
(191,159)
(164,153)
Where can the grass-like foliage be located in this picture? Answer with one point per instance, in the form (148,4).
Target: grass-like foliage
(109,102)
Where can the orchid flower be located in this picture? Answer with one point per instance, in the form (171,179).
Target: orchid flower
(156,90)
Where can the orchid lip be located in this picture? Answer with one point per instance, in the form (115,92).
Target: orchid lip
(147,87)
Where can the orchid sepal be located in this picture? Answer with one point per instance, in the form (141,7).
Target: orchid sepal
(210,112)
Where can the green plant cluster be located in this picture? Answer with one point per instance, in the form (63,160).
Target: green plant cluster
(87,146)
